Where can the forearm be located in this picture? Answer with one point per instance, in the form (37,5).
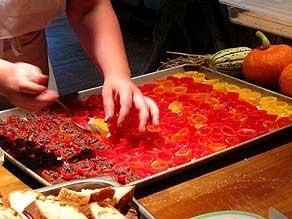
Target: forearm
(99,32)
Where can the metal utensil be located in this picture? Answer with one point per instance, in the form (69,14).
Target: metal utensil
(89,127)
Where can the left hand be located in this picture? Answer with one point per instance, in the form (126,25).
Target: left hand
(128,93)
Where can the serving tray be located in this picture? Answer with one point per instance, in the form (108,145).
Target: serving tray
(94,183)
(210,74)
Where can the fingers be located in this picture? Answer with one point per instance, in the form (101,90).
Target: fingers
(31,87)
(108,103)
(34,102)
(31,79)
(141,105)
(125,103)
(154,110)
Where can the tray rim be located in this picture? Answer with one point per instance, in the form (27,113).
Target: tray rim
(183,167)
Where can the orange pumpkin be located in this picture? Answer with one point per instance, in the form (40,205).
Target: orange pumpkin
(263,65)
(285,81)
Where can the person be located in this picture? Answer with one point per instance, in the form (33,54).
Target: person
(24,62)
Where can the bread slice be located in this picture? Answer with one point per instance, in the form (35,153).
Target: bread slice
(19,200)
(8,213)
(123,196)
(43,208)
(70,196)
(99,195)
(95,211)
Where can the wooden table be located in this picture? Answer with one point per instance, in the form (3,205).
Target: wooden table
(253,184)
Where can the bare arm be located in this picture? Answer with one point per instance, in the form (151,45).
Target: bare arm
(97,26)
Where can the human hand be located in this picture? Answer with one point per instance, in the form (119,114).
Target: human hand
(128,93)
(25,86)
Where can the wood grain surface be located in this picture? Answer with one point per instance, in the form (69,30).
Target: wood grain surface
(252,185)
(8,182)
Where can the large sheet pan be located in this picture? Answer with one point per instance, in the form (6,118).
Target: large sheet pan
(210,74)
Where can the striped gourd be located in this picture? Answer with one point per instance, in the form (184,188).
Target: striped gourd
(229,59)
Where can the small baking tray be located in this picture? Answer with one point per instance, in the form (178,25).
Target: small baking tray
(210,74)
(94,183)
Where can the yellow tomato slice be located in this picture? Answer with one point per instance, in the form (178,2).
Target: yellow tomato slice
(159,165)
(211,81)
(220,86)
(267,100)
(199,77)
(100,124)
(232,87)
(175,107)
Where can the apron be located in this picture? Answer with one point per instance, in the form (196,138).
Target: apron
(22,24)
(22,35)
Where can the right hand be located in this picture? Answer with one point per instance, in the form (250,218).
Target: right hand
(25,86)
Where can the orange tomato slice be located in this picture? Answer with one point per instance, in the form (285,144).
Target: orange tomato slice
(167,84)
(216,146)
(181,134)
(159,90)
(179,90)
(175,107)
(198,118)
(159,165)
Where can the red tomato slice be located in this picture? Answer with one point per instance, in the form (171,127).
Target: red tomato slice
(165,155)
(51,176)
(246,133)
(227,130)
(216,137)
(204,141)
(284,121)
(68,172)
(204,131)
(232,140)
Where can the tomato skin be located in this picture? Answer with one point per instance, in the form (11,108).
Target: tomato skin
(159,166)
(68,172)
(52,176)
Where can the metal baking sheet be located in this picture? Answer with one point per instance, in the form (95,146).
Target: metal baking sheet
(93,183)
(210,74)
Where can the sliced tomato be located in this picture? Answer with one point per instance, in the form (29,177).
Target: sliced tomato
(217,146)
(227,130)
(198,118)
(159,165)
(246,133)
(52,176)
(217,137)
(68,172)
(84,166)
(284,121)
(165,155)
(205,131)
(232,140)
